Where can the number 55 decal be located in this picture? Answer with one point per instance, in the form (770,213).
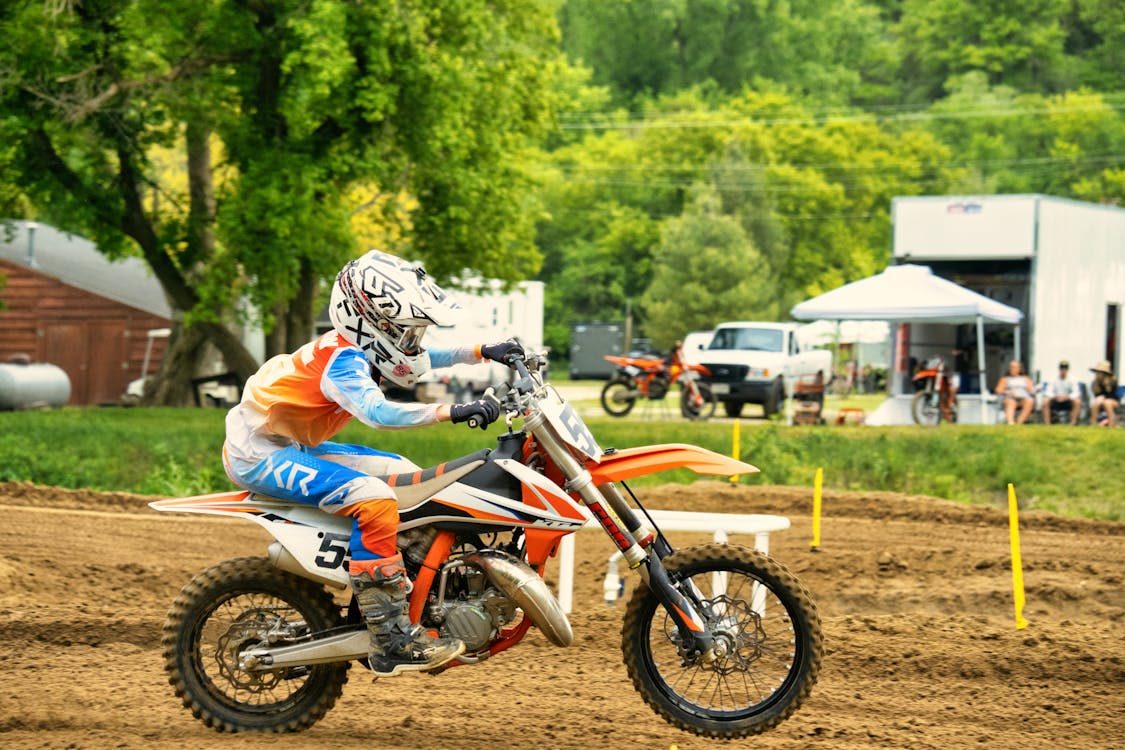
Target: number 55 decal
(334,549)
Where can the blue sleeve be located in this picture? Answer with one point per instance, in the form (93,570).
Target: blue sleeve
(347,381)
(459,355)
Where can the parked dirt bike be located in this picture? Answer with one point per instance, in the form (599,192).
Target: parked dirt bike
(639,378)
(935,399)
(720,640)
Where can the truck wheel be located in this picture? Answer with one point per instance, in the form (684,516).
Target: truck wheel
(772,402)
(732,408)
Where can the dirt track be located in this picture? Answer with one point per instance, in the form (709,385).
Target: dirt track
(915,595)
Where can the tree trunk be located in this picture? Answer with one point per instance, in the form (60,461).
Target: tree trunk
(300,319)
(181,361)
(276,339)
(201,210)
(294,319)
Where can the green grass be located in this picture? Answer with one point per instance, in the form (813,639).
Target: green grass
(1069,470)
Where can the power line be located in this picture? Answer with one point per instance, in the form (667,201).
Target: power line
(757,188)
(816,114)
(842,166)
(908,116)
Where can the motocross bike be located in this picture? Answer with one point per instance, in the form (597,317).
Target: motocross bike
(720,640)
(935,398)
(637,378)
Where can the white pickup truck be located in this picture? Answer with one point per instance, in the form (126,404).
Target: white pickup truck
(749,362)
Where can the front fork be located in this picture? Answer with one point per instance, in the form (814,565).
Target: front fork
(607,505)
(695,636)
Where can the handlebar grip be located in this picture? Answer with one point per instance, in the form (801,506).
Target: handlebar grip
(474,422)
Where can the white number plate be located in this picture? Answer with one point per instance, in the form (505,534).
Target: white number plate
(720,388)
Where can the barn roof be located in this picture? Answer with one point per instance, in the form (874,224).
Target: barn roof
(76,261)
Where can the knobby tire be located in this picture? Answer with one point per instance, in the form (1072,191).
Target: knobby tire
(704,411)
(786,631)
(214,698)
(619,396)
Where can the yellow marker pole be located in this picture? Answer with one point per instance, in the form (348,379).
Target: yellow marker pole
(817,483)
(1017,564)
(736,450)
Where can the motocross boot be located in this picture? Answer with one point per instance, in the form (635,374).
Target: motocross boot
(397,644)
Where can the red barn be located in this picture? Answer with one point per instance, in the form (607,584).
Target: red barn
(66,304)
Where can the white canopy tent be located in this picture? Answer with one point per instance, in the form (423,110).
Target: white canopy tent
(823,332)
(912,294)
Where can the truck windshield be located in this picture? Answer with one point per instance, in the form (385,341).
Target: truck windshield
(749,339)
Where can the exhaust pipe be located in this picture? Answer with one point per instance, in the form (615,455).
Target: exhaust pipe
(524,586)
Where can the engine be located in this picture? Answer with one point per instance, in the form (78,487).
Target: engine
(469,607)
(658,387)
(480,589)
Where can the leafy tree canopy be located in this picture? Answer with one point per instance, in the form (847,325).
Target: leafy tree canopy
(432,99)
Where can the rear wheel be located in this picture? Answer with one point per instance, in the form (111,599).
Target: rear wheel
(763,620)
(732,408)
(619,396)
(238,605)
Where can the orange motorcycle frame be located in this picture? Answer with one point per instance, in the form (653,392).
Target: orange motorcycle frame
(615,466)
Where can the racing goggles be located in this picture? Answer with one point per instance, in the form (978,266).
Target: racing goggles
(407,339)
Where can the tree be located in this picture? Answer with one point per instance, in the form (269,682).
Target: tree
(307,99)
(706,270)
(1068,145)
(1017,44)
(823,48)
(812,196)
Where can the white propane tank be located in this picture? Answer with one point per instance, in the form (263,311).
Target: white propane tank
(33,386)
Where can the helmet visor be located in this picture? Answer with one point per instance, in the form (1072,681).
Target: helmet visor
(410,340)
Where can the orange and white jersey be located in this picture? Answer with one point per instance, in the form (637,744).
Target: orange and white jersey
(308,396)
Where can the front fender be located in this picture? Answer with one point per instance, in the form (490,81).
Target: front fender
(649,459)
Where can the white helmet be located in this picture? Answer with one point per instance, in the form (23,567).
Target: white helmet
(382,304)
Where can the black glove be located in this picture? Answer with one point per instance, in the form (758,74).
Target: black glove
(497,352)
(482,413)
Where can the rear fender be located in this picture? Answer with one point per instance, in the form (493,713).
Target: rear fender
(649,459)
(312,543)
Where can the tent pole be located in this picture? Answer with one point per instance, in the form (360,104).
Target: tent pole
(981,375)
(1017,357)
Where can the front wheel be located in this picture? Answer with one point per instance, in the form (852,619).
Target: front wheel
(924,408)
(697,401)
(619,396)
(238,605)
(766,623)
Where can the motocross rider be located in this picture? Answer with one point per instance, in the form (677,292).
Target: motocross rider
(277,438)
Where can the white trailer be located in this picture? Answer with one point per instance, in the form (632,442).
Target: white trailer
(1061,262)
(489,314)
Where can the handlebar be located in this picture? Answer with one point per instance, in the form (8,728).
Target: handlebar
(522,386)
(517,363)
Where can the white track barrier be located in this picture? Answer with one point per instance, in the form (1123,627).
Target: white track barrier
(719,524)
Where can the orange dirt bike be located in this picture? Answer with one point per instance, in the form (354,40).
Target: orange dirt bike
(719,639)
(639,378)
(935,398)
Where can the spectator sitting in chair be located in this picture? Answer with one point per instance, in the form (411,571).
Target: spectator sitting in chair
(1104,391)
(1062,393)
(1016,388)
